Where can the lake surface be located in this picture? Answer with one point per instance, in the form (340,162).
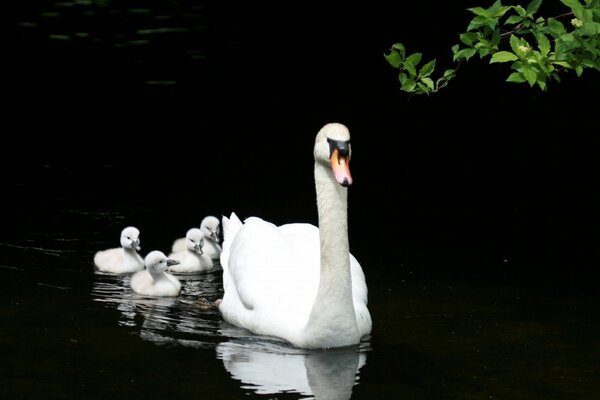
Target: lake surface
(69,332)
(481,263)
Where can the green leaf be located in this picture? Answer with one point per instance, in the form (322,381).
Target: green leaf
(408,85)
(465,54)
(563,64)
(555,27)
(449,73)
(590,29)
(422,88)
(533,7)
(513,19)
(514,43)
(579,70)
(570,3)
(402,78)
(497,9)
(414,59)
(516,77)
(479,11)
(394,59)
(399,47)
(428,82)
(478,22)
(468,38)
(495,39)
(412,71)
(520,10)
(543,43)
(542,84)
(455,48)
(483,51)
(427,69)
(529,74)
(503,56)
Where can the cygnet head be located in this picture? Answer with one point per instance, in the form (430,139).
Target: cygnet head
(332,147)
(157,263)
(130,238)
(194,240)
(211,227)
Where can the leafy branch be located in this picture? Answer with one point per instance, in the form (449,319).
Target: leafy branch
(538,48)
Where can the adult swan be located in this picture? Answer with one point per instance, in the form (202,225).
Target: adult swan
(296,281)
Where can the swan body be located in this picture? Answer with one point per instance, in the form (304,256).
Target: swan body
(124,259)
(154,280)
(211,227)
(296,281)
(192,259)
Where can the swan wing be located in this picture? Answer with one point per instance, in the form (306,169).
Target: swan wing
(272,274)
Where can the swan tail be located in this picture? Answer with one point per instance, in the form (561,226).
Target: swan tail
(231,227)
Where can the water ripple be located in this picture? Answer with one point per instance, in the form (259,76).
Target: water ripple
(187,320)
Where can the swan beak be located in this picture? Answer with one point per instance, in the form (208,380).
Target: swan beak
(198,249)
(341,168)
(136,245)
(171,262)
(213,236)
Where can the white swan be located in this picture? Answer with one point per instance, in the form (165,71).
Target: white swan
(296,281)
(124,259)
(154,281)
(192,259)
(211,226)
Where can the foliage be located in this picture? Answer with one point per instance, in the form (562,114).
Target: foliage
(538,48)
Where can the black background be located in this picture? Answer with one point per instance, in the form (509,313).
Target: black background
(484,176)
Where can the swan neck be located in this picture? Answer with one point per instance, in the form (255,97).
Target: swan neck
(334,296)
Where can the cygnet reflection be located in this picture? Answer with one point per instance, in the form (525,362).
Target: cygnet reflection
(163,320)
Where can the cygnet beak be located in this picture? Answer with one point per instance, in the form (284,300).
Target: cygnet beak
(198,249)
(214,236)
(171,262)
(136,244)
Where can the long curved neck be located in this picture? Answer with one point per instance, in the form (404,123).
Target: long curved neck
(333,312)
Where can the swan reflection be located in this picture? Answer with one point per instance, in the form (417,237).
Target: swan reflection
(270,366)
(178,320)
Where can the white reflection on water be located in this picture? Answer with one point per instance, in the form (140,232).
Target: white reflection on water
(178,320)
(264,365)
(269,366)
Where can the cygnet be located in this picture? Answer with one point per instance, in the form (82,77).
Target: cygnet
(192,259)
(154,280)
(211,226)
(124,259)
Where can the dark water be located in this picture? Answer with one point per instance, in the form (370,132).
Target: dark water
(481,262)
(68,332)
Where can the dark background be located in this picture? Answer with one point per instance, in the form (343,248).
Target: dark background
(484,177)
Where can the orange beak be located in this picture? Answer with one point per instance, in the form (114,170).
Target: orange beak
(341,168)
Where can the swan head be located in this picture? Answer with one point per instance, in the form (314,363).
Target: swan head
(332,147)
(211,227)
(130,238)
(194,240)
(156,262)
